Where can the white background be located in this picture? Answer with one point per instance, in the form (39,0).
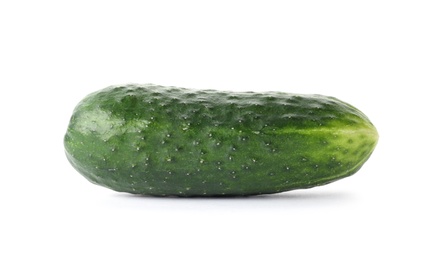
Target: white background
(372,54)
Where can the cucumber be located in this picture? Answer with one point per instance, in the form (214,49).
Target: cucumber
(170,141)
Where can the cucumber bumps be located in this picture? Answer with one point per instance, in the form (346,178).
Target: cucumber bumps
(168,141)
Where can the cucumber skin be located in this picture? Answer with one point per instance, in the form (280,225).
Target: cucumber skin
(169,141)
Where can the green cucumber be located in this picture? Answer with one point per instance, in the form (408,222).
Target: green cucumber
(169,141)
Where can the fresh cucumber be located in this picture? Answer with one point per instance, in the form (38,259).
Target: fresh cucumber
(169,141)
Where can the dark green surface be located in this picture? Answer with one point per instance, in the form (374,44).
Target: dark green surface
(149,139)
